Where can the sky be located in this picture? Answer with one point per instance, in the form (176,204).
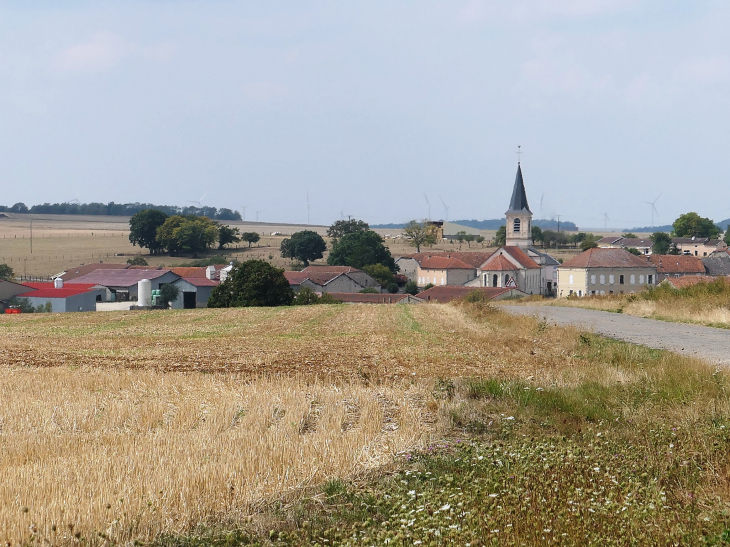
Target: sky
(370,109)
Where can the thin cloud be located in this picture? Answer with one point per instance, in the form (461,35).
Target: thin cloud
(264,91)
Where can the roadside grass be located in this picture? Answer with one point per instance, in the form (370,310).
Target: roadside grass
(704,303)
(517,433)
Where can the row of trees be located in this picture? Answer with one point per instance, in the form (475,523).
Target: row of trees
(120,209)
(158,232)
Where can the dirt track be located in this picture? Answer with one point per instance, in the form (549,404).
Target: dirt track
(709,344)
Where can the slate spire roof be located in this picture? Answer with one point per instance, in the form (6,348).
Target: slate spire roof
(519,197)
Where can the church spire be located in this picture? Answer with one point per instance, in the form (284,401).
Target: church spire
(519,197)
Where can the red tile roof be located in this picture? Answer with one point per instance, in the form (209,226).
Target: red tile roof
(444,263)
(194,271)
(606,258)
(295,278)
(667,264)
(316,268)
(688,280)
(448,293)
(521,256)
(201,281)
(365,298)
(498,263)
(48,290)
(473,259)
(118,278)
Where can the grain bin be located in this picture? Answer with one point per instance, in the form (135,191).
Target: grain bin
(144,292)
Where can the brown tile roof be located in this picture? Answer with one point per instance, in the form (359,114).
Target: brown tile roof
(448,293)
(73,273)
(444,263)
(118,278)
(201,281)
(667,264)
(498,263)
(606,258)
(473,259)
(191,271)
(522,258)
(365,298)
(295,278)
(319,278)
(687,281)
(316,268)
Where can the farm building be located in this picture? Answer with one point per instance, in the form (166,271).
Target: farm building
(64,298)
(194,292)
(447,293)
(121,285)
(365,298)
(331,279)
(8,290)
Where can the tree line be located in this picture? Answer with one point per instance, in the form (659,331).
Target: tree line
(120,209)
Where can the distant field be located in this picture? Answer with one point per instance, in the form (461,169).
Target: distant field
(353,425)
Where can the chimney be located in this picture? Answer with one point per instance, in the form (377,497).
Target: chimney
(210,272)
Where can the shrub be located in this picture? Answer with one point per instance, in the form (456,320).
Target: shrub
(306,297)
(392,288)
(137,261)
(429,286)
(169,293)
(411,288)
(370,290)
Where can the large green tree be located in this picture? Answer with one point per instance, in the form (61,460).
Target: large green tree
(143,228)
(420,233)
(361,249)
(227,235)
(500,238)
(343,227)
(662,242)
(252,283)
(692,224)
(305,246)
(250,237)
(6,273)
(189,234)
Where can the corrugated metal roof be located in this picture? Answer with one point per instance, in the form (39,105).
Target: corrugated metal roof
(73,273)
(119,278)
(48,290)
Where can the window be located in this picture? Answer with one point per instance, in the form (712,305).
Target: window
(633,279)
(593,280)
(650,279)
(516,226)
(641,280)
(580,293)
(506,279)
(495,280)
(620,279)
(593,292)
(570,292)
(610,280)
(570,279)
(603,280)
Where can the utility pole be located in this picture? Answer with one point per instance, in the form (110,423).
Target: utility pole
(558,223)
(31,237)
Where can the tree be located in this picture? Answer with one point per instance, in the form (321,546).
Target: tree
(411,288)
(361,249)
(6,273)
(343,227)
(227,235)
(137,261)
(461,236)
(379,273)
(693,225)
(392,288)
(251,237)
(305,246)
(500,238)
(727,236)
(252,283)
(419,233)
(370,290)
(629,235)
(168,293)
(469,238)
(479,239)
(589,242)
(554,239)
(634,251)
(19,208)
(537,234)
(143,228)
(578,238)
(189,234)
(661,243)
(306,297)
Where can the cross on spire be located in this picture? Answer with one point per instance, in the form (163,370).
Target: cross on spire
(519,151)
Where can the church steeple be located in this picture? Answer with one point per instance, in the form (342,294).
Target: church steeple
(519,216)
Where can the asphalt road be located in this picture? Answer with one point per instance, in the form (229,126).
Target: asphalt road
(706,343)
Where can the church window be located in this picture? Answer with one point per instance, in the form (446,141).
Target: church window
(494,280)
(506,279)
(516,226)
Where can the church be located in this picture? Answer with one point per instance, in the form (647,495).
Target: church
(518,264)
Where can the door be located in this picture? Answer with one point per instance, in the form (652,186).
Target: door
(188,300)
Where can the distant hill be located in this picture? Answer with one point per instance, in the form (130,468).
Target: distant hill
(493,224)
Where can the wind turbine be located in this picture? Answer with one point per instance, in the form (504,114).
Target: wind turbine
(653,208)
(429,205)
(541,198)
(605,221)
(243,209)
(445,207)
(257,214)
(307,208)
(198,201)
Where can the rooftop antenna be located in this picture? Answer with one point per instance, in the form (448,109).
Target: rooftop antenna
(446,207)
(653,208)
(605,221)
(429,205)
(243,210)
(257,214)
(198,201)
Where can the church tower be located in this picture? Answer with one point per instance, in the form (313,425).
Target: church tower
(519,216)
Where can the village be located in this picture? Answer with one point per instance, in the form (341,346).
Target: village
(516,269)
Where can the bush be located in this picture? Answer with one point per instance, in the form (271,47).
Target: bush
(306,297)
(169,293)
(411,288)
(429,286)
(137,261)
(253,283)
(392,288)
(370,290)
(6,272)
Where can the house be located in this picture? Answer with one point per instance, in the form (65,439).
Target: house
(698,246)
(447,293)
(64,297)
(435,267)
(511,267)
(385,298)
(676,266)
(9,290)
(121,285)
(332,279)
(642,245)
(605,271)
(194,292)
(717,265)
(686,281)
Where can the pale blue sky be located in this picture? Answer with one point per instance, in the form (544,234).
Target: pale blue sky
(367,105)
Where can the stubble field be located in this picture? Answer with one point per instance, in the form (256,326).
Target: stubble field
(438,424)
